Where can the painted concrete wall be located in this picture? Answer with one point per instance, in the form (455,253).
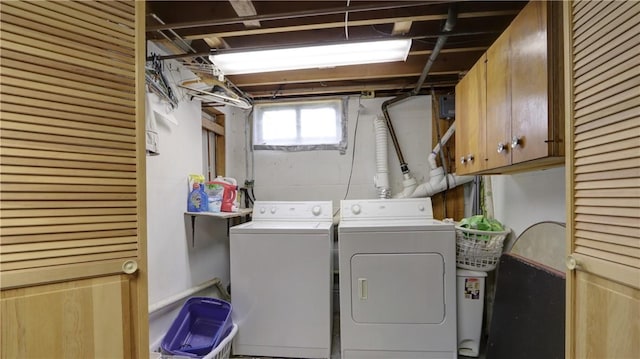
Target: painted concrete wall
(324,175)
(523,199)
(176,262)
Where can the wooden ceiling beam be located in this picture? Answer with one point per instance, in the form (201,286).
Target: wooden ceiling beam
(293,15)
(450,51)
(321,79)
(245,8)
(323,90)
(401,28)
(317,76)
(340,24)
(216,43)
(413,66)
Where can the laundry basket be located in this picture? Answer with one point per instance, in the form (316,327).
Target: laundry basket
(221,351)
(479,250)
(200,326)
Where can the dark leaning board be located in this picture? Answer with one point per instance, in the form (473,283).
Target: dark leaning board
(528,312)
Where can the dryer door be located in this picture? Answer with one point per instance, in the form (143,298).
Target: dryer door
(395,288)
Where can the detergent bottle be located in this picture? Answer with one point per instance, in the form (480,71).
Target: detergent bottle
(197,201)
(229,198)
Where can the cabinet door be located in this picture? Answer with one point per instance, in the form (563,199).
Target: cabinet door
(498,128)
(72,173)
(529,84)
(603,175)
(470,116)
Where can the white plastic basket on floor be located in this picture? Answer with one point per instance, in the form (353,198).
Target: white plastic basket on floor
(479,250)
(221,351)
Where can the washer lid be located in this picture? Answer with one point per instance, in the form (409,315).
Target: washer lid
(285,227)
(395,225)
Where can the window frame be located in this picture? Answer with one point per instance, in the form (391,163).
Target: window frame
(213,145)
(341,124)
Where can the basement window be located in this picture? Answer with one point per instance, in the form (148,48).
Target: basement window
(300,125)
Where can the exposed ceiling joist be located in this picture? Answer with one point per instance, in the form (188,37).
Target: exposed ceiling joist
(291,15)
(245,8)
(343,89)
(216,43)
(208,25)
(371,72)
(340,24)
(401,27)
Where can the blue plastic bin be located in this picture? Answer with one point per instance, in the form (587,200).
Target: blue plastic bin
(199,327)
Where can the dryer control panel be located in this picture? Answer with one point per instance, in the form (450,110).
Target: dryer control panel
(384,209)
(293,210)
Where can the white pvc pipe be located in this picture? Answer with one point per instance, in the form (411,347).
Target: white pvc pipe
(437,180)
(430,188)
(381,179)
(182,295)
(444,138)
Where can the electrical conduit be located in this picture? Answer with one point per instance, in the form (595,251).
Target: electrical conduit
(409,183)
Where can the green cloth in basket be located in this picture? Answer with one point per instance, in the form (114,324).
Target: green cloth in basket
(481,223)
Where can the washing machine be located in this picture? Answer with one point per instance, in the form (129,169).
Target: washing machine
(281,280)
(397,281)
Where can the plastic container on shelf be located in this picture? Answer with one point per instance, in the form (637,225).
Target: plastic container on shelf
(201,325)
(229,199)
(479,250)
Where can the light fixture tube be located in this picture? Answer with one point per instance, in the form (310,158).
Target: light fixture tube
(308,57)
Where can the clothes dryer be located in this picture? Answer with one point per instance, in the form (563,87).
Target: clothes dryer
(281,280)
(397,281)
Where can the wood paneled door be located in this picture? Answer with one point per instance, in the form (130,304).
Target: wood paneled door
(603,179)
(471,105)
(73,267)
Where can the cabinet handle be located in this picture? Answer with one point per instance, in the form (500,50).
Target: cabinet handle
(463,160)
(470,158)
(130,266)
(516,141)
(502,147)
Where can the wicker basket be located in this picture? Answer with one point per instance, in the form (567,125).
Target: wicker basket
(479,250)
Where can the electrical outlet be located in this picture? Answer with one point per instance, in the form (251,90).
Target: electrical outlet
(368,94)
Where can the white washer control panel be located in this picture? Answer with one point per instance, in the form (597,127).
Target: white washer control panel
(292,210)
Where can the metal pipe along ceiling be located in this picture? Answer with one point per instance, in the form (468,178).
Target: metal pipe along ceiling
(448,26)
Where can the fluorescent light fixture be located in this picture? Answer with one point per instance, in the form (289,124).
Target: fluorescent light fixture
(309,57)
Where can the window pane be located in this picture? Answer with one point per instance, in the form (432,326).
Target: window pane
(318,123)
(307,125)
(278,125)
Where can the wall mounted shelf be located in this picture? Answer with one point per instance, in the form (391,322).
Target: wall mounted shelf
(242,212)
